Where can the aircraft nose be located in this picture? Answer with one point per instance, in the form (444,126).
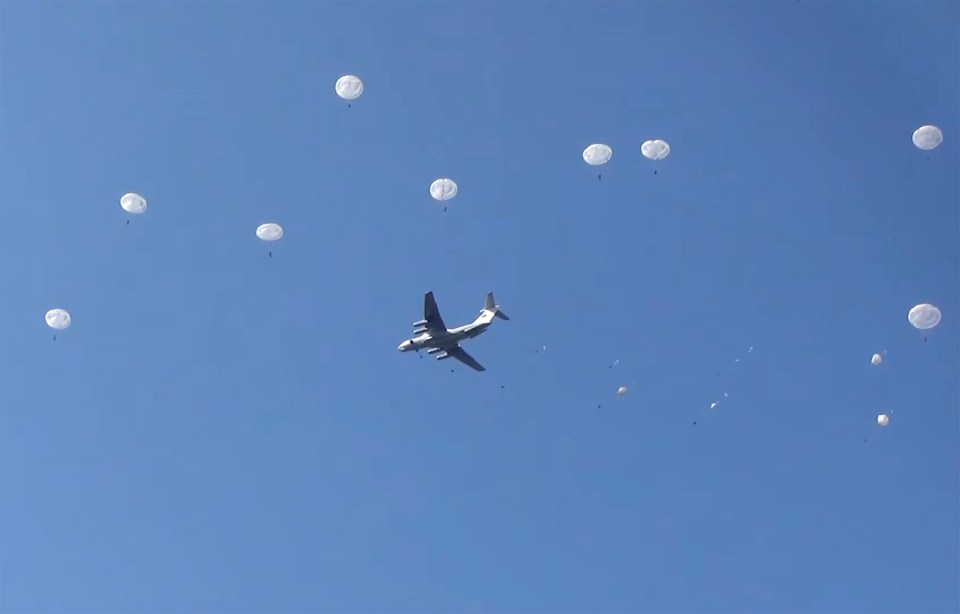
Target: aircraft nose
(403,346)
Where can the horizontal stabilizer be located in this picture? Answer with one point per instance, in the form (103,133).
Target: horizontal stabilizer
(491,305)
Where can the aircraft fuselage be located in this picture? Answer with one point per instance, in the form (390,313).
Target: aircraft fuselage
(452,336)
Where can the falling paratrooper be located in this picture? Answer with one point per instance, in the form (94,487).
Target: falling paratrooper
(349,87)
(924,317)
(443,189)
(58,319)
(597,155)
(270,231)
(131,202)
(655,149)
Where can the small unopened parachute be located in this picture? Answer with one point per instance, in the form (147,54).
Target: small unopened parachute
(622,390)
(927,137)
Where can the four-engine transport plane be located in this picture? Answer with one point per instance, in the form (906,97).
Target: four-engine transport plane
(431,333)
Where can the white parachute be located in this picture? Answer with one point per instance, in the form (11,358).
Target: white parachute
(349,87)
(876,359)
(883,419)
(714,405)
(269,231)
(443,189)
(927,137)
(622,390)
(131,202)
(597,154)
(58,319)
(924,316)
(655,149)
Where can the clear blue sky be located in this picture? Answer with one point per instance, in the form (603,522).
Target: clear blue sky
(224,432)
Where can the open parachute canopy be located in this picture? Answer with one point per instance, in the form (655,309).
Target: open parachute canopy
(349,87)
(924,316)
(927,137)
(597,154)
(655,149)
(132,202)
(443,189)
(269,231)
(58,319)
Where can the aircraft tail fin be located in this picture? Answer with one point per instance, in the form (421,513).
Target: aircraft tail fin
(491,305)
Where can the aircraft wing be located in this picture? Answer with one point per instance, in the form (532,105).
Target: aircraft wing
(458,353)
(432,315)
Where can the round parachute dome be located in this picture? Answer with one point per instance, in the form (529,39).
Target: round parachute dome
(927,137)
(443,189)
(655,149)
(876,360)
(883,419)
(133,203)
(58,319)
(597,154)
(349,87)
(269,231)
(622,390)
(924,316)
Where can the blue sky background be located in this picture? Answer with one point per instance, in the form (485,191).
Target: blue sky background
(220,431)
